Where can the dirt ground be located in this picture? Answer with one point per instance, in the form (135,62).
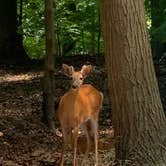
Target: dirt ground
(25,140)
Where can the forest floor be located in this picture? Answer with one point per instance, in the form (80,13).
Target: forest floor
(25,140)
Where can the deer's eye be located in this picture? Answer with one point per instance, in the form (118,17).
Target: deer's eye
(70,78)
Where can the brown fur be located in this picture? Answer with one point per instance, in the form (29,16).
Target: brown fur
(79,108)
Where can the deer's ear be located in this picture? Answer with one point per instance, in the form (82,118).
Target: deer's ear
(86,69)
(67,70)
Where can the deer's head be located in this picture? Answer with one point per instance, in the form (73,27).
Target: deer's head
(77,77)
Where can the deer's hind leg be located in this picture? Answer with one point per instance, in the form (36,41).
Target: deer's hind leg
(86,128)
(94,125)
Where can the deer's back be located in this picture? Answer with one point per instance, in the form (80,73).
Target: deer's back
(77,106)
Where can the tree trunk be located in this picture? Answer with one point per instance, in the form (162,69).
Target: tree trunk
(83,40)
(20,21)
(59,45)
(11,49)
(48,94)
(93,39)
(138,116)
(98,36)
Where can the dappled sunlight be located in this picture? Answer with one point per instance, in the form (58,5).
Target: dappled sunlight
(9,77)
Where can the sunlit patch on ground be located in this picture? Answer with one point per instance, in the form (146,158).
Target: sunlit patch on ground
(9,77)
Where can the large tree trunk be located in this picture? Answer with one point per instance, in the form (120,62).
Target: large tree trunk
(92,50)
(20,7)
(11,49)
(48,94)
(138,116)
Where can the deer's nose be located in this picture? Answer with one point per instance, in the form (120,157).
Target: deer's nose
(74,86)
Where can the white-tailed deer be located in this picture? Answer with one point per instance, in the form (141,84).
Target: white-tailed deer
(79,108)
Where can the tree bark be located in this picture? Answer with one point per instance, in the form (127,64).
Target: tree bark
(48,94)
(11,49)
(98,36)
(92,50)
(20,20)
(138,116)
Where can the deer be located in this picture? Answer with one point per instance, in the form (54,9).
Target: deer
(79,109)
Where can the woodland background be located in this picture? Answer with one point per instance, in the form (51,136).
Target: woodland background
(77,27)
(79,40)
